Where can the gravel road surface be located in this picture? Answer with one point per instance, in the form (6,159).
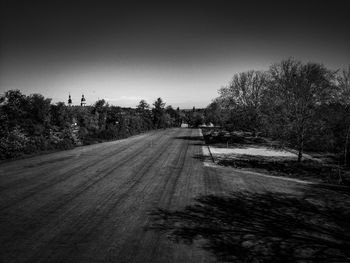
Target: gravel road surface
(92,203)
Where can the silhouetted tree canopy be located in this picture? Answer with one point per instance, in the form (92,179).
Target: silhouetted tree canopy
(304,105)
(31,123)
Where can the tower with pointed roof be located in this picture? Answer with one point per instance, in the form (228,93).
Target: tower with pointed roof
(83,100)
(69,101)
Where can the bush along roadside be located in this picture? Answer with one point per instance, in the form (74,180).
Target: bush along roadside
(32,124)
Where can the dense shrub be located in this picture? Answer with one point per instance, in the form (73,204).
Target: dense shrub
(13,143)
(29,124)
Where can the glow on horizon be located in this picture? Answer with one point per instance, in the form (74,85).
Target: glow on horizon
(125,86)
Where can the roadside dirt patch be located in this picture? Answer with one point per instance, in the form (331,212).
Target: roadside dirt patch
(284,166)
(253,151)
(279,162)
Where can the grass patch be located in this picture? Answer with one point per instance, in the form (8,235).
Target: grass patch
(267,156)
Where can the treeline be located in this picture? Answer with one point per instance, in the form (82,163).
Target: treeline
(29,124)
(304,105)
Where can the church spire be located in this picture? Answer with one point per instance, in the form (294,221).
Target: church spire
(69,100)
(83,101)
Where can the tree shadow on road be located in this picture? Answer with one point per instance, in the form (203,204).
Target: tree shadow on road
(203,158)
(264,227)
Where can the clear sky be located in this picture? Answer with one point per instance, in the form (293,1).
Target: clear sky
(182,51)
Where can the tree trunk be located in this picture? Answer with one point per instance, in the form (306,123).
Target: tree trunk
(300,145)
(300,153)
(346,146)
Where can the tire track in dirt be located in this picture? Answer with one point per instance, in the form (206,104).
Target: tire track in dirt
(147,245)
(47,211)
(181,194)
(49,159)
(163,198)
(103,220)
(25,179)
(141,196)
(166,199)
(172,179)
(67,175)
(90,220)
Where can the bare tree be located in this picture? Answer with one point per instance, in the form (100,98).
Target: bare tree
(343,80)
(243,95)
(297,89)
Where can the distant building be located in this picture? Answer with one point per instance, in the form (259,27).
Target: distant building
(69,101)
(83,101)
(210,125)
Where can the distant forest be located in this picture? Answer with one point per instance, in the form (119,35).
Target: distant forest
(30,124)
(304,105)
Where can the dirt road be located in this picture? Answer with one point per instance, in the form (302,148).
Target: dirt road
(92,203)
